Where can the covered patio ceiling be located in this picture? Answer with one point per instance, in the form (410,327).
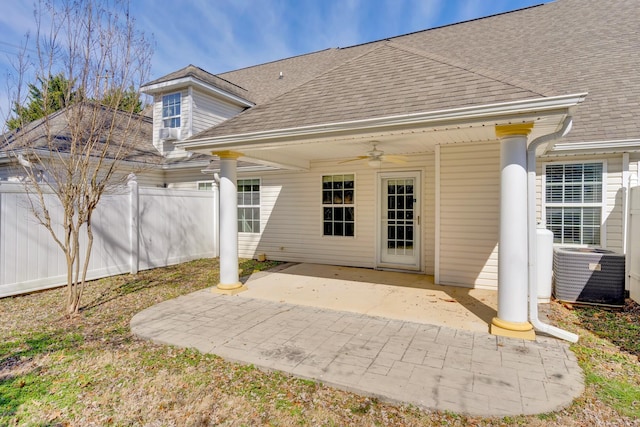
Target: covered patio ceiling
(296,148)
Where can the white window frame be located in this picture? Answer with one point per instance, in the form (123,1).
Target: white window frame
(602,204)
(333,205)
(250,206)
(198,183)
(171,118)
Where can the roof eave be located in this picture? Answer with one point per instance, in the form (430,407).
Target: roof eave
(449,117)
(186,81)
(594,147)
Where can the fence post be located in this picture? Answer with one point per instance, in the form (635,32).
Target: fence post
(134,229)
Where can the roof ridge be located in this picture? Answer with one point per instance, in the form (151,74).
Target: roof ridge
(502,78)
(278,60)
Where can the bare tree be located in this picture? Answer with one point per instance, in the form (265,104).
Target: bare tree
(72,157)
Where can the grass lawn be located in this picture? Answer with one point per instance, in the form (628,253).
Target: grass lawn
(91,371)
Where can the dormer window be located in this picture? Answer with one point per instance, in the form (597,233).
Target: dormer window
(171,110)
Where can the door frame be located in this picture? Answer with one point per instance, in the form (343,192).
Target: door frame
(379,245)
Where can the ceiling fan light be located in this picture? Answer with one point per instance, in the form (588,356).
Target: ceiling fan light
(375,163)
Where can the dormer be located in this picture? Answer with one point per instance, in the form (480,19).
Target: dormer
(189,101)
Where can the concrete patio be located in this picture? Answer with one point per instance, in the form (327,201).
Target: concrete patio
(393,295)
(394,336)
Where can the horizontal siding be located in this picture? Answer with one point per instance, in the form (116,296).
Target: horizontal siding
(209,111)
(469,214)
(167,146)
(291,216)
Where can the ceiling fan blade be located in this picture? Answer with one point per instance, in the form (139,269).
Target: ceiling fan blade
(354,160)
(399,160)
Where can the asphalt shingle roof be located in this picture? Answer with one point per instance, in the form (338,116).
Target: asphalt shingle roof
(205,77)
(569,46)
(385,81)
(562,47)
(56,131)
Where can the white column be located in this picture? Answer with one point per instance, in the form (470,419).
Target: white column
(229,280)
(216,215)
(513,244)
(134,218)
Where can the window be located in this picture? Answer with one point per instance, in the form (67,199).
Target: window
(171,110)
(574,201)
(249,205)
(205,185)
(338,204)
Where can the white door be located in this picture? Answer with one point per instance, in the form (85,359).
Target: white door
(399,220)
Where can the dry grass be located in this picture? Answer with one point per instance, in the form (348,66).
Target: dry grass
(92,371)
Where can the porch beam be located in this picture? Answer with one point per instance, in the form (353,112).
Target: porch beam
(513,244)
(229,278)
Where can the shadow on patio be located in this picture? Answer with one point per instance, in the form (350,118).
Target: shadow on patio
(403,296)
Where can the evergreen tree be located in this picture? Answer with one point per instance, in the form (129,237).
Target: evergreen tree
(52,94)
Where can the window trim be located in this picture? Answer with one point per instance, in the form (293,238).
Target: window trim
(602,205)
(322,205)
(204,182)
(178,116)
(259,205)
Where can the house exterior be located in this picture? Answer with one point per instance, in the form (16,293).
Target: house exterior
(43,139)
(411,153)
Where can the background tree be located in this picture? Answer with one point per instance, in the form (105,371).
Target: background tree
(87,47)
(53,94)
(128,100)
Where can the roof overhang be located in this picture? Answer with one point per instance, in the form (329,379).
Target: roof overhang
(191,81)
(295,148)
(593,147)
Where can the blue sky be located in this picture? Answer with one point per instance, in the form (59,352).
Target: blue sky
(223,35)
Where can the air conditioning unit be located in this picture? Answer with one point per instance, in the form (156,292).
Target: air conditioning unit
(589,276)
(168,134)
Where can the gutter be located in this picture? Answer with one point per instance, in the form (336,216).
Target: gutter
(531,230)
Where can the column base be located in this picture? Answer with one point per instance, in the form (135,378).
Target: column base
(504,328)
(229,289)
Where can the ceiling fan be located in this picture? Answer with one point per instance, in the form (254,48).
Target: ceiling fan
(375,158)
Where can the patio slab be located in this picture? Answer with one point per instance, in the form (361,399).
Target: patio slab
(395,295)
(429,365)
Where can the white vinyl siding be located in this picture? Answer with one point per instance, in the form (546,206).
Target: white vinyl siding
(166,147)
(291,216)
(291,220)
(469,214)
(209,111)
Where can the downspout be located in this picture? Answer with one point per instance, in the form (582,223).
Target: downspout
(531,229)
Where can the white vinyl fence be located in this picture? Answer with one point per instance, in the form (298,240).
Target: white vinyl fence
(134,229)
(633,255)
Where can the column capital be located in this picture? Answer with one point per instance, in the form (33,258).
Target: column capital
(516,129)
(227,154)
